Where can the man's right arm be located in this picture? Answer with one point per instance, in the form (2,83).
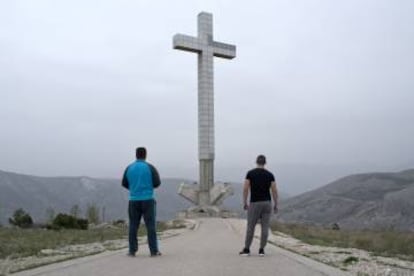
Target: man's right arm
(246,189)
(125,182)
(275,196)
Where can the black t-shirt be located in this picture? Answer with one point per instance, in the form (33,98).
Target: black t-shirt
(260,182)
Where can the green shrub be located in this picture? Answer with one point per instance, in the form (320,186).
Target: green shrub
(69,222)
(83,223)
(350,260)
(21,219)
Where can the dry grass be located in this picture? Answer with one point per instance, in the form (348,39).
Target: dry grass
(16,242)
(387,243)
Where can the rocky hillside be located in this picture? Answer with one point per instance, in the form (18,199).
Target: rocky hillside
(38,194)
(373,200)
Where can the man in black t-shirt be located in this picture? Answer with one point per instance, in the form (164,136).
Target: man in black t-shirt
(259,182)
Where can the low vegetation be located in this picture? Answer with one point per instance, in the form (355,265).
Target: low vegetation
(68,222)
(25,238)
(21,219)
(387,243)
(350,260)
(18,242)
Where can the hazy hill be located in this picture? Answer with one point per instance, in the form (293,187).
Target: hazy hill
(37,194)
(372,200)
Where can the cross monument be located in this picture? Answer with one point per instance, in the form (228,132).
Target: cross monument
(206,195)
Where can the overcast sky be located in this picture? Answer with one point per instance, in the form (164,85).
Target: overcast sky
(322,88)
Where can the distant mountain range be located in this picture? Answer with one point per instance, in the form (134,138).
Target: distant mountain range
(37,194)
(372,200)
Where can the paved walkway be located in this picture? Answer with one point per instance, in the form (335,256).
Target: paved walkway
(211,249)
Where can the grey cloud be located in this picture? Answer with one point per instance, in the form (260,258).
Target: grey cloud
(316,84)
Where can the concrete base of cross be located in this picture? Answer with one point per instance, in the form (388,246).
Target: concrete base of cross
(207,202)
(206,212)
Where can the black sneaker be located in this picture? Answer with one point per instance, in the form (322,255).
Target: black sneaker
(156,254)
(130,254)
(261,252)
(245,252)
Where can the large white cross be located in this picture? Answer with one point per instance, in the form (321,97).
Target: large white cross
(206,48)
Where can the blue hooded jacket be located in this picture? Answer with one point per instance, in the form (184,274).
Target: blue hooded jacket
(140,178)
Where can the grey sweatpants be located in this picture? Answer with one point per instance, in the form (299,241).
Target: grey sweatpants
(258,210)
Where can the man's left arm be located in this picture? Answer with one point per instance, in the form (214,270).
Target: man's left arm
(156,181)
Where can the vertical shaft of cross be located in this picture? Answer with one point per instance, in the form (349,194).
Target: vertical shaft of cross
(205,109)
(206,48)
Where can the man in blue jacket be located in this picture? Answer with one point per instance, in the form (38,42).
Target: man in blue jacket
(140,178)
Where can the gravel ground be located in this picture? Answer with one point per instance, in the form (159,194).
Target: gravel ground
(366,264)
(211,248)
(48,256)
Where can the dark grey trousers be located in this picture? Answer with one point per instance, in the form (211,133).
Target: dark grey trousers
(258,210)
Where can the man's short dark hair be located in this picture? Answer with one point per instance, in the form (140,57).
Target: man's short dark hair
(261,160)
(141,153)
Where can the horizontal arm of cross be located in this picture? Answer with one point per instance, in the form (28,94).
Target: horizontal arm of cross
(187,43)
(224,50)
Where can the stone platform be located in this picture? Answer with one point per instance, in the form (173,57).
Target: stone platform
(211,200)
